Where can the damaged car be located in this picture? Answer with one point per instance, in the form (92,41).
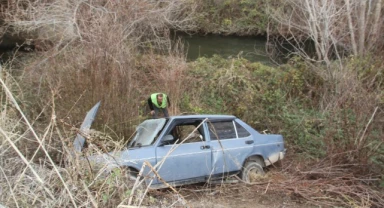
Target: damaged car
(189,149)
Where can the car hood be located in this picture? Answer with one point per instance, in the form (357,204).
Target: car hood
(133,157)
(105,161)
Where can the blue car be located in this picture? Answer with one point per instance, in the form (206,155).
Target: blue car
(189,149)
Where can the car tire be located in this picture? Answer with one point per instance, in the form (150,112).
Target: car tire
(251,172)
(131,174)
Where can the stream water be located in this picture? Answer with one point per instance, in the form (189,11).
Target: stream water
(251,48)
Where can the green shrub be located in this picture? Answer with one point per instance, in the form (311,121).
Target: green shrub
(268,98)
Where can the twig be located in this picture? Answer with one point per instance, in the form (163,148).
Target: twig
(267,188)
(136,184)
(366,127)
(10,186)
(9,94)
(27,163)
(162,180)
(89,194)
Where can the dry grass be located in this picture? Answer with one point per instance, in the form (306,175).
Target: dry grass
(39,181)
(296,185)
(48,174)
(326,184)
(38,172)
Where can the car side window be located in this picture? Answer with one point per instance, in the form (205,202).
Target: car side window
(222,130)
(186,131)
(188,134)
(241,131)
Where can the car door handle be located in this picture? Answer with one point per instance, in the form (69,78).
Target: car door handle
(205,147)
(249,142)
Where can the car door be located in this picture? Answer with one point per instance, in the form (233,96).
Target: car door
(231,144)
(188,157)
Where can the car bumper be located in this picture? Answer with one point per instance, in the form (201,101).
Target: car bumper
(275,157)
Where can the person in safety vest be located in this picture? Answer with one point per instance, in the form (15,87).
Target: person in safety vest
(158,102)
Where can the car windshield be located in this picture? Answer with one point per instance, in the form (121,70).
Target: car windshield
(147,131)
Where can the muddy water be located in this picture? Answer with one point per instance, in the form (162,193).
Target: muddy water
(251,48)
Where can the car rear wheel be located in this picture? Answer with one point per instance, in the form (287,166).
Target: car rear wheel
(252,171)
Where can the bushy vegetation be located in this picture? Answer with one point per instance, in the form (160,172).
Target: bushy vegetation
(291,99)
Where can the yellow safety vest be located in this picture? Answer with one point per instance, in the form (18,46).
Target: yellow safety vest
(154,100)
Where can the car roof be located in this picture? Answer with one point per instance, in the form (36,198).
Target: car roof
(203,116)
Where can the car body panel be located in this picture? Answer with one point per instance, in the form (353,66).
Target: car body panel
(177,165)
(85,126)
(269,146)
(229,155)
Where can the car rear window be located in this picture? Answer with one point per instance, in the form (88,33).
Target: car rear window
(222,130)
(241,131)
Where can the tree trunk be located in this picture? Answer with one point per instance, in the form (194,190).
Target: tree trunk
(376,26)
(312,23)
(362,25)
(351,28)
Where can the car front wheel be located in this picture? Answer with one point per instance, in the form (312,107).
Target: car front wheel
(251,172)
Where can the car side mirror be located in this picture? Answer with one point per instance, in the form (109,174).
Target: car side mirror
(167,139)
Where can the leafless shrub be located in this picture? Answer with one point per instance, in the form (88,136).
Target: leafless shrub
(334,27)
(355,104)
(350,95)
(99,51)
(92,53)
(69,20)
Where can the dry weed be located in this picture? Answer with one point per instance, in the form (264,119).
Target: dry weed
(37,180)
